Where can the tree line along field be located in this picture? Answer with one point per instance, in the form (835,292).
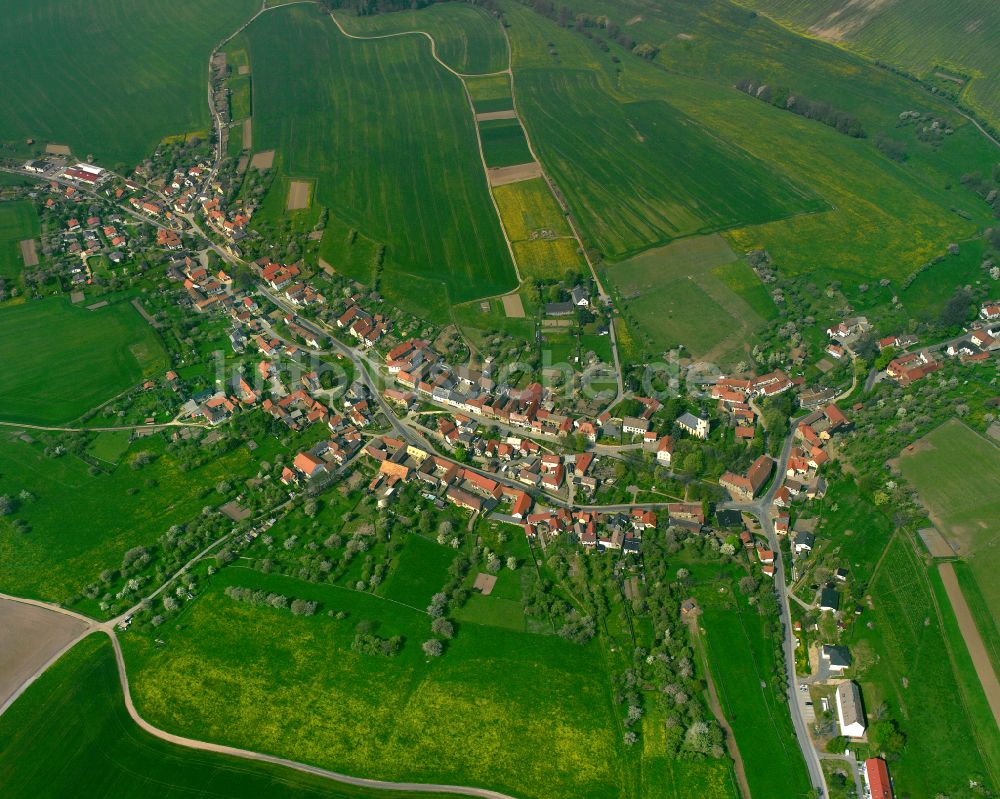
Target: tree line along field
(963,44)
(528,719)
(964,511)
(79,358)
(81,522)
(388,136)
(882,218)
(110,77)
(18,221)
(467,38)
(93,748)
(923,680)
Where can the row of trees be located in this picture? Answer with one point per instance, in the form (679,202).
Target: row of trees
(819,110)
(258,598)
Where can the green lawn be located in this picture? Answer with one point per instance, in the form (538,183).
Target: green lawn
(420,572)
(70,735)
(906,664)
(388,136)
(504,143)
(741,659)
(77,358)
(109,77)
(18,220)
(80,523)
(468,38)
(501,708)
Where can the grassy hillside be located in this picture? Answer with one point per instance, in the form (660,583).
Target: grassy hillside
(18,220)
(468,39)
(885,218)
(923,37)
(93,748)
(741,658)
(109,77)
(389,138)
(501,709)
(78,358)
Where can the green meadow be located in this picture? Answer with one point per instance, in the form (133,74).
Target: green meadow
(81,522)
(78,358)
(501,709)
(467,38)
(490,93)
(18,221)
(387,135)
(93,748)
(639,174)
(907,655)
(109,77)
(694,292)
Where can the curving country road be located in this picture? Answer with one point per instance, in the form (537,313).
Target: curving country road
(207,746)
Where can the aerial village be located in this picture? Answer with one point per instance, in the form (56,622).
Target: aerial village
(517,453)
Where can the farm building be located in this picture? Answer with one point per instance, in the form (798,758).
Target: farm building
(850,714)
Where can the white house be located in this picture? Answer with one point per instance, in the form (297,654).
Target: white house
(850,715)
(664,450)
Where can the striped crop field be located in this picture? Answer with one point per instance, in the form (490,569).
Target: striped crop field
(388,136)
(109,77)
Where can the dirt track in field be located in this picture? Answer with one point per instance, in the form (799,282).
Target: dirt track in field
(973,640)
(29,637)
(29,253)
(501,176)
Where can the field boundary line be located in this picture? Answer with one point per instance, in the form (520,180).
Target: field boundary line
(970,635)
